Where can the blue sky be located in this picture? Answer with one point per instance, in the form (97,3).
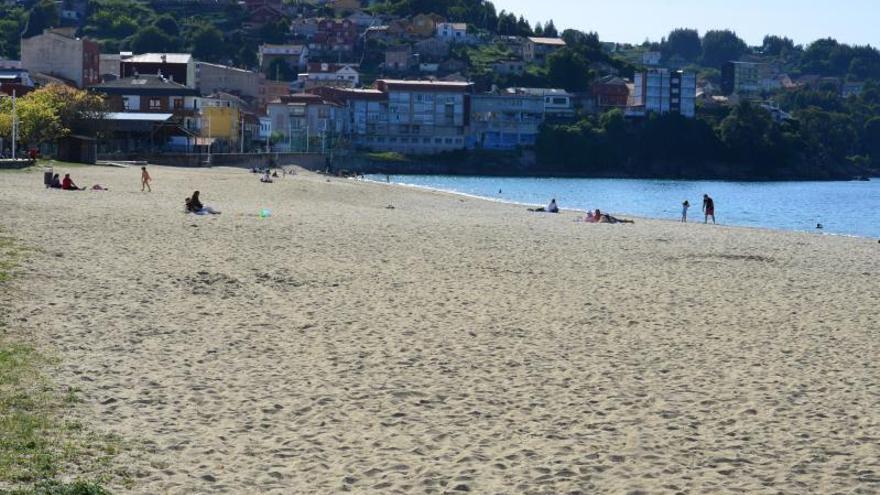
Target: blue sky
(850,21)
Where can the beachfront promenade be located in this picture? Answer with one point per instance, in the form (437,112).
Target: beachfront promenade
(446,344)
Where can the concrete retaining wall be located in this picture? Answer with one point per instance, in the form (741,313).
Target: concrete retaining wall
(311,161)
(9,164)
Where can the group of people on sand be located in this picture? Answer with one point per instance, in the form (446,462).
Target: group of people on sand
(67,184)
(598,217)
(267,174)
(708,209)
(592,217)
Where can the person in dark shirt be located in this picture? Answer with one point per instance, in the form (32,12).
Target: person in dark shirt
(56,182)
(708,208)
(194,205)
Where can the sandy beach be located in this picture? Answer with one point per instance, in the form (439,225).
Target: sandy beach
(371,338)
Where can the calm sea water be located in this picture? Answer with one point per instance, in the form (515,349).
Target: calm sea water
(849,208)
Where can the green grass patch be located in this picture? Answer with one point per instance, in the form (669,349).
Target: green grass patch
(387,156)
(37,446)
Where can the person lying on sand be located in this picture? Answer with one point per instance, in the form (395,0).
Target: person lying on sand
(600,217)
(68,185)
(194,205)
(551,208)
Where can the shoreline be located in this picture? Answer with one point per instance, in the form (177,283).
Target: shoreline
(627,215)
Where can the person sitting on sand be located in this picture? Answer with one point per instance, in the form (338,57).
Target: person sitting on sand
(68,185)
(265,178)
(56,182)
(194,205)
(551,208)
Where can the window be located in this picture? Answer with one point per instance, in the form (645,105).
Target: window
(178,103)
(126,103)
(155,104)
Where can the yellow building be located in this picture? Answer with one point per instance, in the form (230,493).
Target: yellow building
(222,123)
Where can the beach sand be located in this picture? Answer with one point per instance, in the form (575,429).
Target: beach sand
(446,345)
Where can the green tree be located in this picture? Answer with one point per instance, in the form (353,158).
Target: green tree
(275,32)
(871,140)
(168,25)
(777,46)
(153,39)
(568,69)
(550,30)
(42,16)
(539,29)
(720,47)
(683,43)
(206,42)
(279,70)
(50,113)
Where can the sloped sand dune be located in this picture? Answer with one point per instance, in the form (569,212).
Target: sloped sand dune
(446,345)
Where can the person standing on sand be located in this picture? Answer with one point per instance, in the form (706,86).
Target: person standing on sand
(708,208)
(684,211)
(145,180)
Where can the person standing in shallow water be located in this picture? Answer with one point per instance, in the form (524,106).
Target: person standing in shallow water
(708,208)
(684,211)
(145,180)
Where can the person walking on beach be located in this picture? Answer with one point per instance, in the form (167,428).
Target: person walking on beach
(708,208)
(145,180)
(684,211)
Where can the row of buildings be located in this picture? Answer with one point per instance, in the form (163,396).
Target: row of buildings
(172,101)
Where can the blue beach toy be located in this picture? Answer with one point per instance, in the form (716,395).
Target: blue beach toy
(265,213)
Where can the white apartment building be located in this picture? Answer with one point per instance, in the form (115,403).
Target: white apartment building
(662,91)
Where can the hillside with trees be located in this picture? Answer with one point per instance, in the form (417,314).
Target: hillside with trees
(824,134)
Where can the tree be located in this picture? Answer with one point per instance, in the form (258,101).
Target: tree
(539,29)
(167,25)
(776,46)
(207,44)
(506,24)
(871,140)
(275,32)
(720,47)
(550,30)
(43,15)
(279,70)
(153,39)
(683,43)
(569,69)
(50,113)
(522,27)
(827,57)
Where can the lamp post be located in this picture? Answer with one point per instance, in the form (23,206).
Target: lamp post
(14,124)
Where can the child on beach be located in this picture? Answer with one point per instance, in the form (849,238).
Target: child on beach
(145,180)
(684,211)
